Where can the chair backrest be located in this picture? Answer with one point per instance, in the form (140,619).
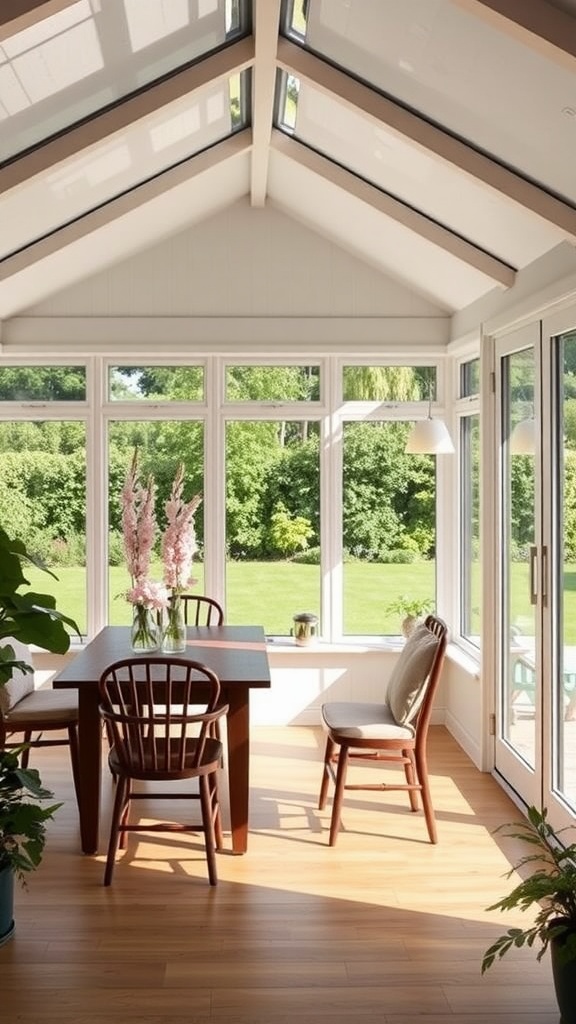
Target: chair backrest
(414,680)
(159,711)
(202,611)
(22,683)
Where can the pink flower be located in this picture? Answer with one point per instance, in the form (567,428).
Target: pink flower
(138,522)
(179,541)
(148,593)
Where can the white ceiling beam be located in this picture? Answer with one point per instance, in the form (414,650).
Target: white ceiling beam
(535,23)
(219,65)
(16,15)
(424,226)
(266,20)
(228,149)
(382,110)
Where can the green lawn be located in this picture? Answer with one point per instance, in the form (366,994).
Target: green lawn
(271,592)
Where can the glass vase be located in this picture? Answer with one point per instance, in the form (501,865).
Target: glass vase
(174,632)
(144,633)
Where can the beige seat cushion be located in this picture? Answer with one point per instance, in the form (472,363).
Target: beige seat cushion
(21,683)
(362,720)
(48,705)
(407,684)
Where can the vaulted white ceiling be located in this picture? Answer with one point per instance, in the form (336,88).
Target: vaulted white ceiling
(435,139)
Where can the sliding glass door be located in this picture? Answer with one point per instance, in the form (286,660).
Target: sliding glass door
(518,707)
(535,733)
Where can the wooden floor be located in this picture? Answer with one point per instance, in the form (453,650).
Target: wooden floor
(382,929)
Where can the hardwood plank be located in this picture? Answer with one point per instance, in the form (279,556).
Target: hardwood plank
(384,928)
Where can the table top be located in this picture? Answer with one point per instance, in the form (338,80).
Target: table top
(237,654)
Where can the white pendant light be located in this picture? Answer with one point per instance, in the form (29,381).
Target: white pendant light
(429,436)
(523,437)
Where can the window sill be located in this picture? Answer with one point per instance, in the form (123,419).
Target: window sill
(464,660)
(287,645)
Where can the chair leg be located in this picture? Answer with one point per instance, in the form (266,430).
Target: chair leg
(24,760)
(117,814)
(338,794)
(75,759)
(208,823)
(125,815)
(216,813)
(411,779)
(330,747)
(422,770)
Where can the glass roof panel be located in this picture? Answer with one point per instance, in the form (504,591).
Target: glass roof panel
(88,56)
(417,177)
(457,70)
(112,167)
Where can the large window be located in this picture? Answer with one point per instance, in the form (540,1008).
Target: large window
(43,476)
(309,501)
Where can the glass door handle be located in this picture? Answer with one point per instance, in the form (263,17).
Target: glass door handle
(533,573)
(534,581)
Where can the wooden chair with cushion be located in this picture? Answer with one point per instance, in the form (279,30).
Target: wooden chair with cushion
(160,712)
(202,611)
(26,710)
(394,732)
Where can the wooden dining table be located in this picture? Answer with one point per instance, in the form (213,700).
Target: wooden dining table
(237,654)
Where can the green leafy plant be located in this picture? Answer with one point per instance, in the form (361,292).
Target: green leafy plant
(32,618)
(29,616)
(409,606)
(22,816)
(551,887)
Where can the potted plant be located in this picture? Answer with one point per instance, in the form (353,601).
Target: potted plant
(22,830)
(32,618)
(550,887)
(411,609)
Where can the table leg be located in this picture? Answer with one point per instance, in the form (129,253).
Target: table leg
(237,727)
(90,755)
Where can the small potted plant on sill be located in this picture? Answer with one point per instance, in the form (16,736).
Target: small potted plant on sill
(551,887)
(411,609)
(32,618)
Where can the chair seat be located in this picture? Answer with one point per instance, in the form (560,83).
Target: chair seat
(46,706)
(362,720)
(210,761)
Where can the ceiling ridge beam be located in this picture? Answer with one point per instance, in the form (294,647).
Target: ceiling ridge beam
(266,24)
(17,15)
(200,163)
(548,30)
(382,110)
(226,62)
(398,210)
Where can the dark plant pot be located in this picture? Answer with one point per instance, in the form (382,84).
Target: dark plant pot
(6,905)
(564,974)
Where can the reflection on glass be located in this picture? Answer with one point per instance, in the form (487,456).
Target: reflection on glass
(389,527)
(272,522)
(519,610)
(88,56)
(470,378)
(43,504)
(565,766)
(470,528)
(162,445)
